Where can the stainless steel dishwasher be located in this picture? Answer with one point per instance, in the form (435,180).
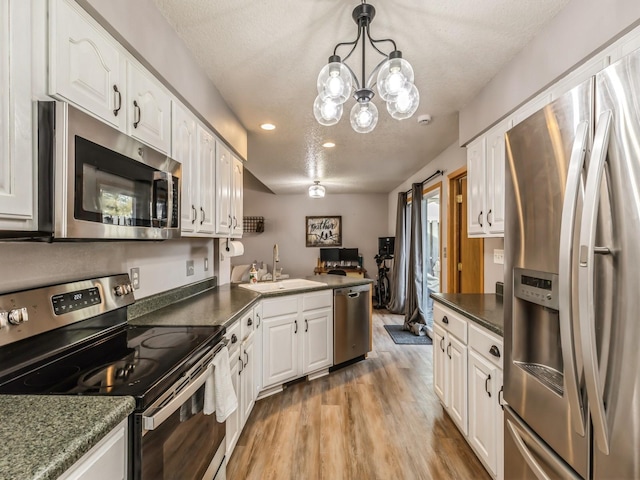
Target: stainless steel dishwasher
(351,317)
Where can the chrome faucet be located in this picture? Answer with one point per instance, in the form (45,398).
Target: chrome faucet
(276,259)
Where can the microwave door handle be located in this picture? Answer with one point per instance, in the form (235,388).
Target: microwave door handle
(569,328)
(165,177)
(586,280)
(152,422)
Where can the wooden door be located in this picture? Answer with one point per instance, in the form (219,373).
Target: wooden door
(465,262)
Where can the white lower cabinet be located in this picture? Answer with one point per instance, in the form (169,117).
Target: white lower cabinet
(105,461)
(467,378)
(297,337)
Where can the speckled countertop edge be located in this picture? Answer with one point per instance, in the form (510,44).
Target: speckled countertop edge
(486,309)
(43,436)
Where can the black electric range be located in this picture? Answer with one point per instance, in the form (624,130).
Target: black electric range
(73,339)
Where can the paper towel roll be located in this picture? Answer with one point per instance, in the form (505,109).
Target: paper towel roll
(232,248)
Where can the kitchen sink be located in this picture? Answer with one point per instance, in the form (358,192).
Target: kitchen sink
(282,285)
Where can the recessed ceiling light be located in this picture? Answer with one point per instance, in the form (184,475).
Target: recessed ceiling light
(268,126)
(328,145)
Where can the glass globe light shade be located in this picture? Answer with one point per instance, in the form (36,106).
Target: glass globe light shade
(335,82)
(364,117)
(327,112)
(316,190)
(392,76)
(405,103)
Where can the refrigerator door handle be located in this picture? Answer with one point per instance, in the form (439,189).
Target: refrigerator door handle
(526,454)
(586,279)
(569,326)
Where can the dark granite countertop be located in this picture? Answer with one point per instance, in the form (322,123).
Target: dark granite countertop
(483,309)
(43,436)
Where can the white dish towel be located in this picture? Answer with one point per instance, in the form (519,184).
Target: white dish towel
(219,395)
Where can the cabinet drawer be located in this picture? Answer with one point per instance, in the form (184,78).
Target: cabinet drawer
(312,301)
(486,344)
(231,331)
(246,325)
(450,321)
(280,306)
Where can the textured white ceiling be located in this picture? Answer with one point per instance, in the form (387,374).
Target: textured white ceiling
(264,57)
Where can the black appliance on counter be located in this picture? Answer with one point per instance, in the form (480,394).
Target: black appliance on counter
(73,339)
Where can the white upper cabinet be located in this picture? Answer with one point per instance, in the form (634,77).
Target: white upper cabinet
(16,152)
(229,192)
(149,109)
(206,179)
(476,160)
(87,67)
(184,147)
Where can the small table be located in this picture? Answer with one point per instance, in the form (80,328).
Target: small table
(349,271)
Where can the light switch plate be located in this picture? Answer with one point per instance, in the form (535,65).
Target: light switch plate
(190,268)
(498,256)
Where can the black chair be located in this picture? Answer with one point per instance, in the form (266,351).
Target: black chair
(337,272)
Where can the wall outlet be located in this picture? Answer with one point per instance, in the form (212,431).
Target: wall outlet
(190,268)
(206,264)
(498,256)
(135,278)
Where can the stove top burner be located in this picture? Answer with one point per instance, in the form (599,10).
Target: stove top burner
(168,340)
(123,372)
(50,375)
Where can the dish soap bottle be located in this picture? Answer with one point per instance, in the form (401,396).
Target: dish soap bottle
(253,274)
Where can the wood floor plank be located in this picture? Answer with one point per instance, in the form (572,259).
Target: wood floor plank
(376,419)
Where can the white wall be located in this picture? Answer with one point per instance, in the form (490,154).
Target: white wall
(364,219)
(450,160)
(493,272)
(579,30)
(162,264)
(141,25)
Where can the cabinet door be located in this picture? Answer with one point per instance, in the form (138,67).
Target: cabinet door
(184,146)
(232,423)
(224,218)
(237,197)
(206,178)
(483,409)
(280,349)
(16,153)
(248,379)
(86,66)
(149,109)
(457,353)
(495,179)
(439,360)
(257,367)
(317,348)
(476,153)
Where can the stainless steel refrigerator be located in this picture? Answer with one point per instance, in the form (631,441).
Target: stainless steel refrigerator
(572,286)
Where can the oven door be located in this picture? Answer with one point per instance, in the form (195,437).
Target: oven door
(177,441)
(109,185)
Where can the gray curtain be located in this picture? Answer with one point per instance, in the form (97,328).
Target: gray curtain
(398,283)
(414,319)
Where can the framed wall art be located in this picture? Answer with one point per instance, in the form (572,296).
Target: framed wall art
(324,231)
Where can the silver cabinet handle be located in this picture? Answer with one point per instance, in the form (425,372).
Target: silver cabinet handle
(247,357)
(258,317)
(118,95)
(569,326)
(586,280)
(136,109)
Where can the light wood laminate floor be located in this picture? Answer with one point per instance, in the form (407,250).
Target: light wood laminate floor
(377,419)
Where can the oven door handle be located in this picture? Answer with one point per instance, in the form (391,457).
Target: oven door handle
(151,422)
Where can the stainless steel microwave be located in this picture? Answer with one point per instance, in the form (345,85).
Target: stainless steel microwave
(104,185)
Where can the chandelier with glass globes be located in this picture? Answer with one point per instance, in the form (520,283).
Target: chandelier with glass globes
(393,79)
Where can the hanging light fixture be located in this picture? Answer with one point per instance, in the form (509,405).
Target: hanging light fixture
(337,81)
(316,190)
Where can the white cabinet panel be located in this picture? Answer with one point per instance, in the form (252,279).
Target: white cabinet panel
(247,377)
(257,318)
(317,351)
(439,376)
(224,220)
(206,178)
(232,424)
(476,157)
(149,109)
(237,197)
(17,177)
(457,353)
(184,146)
(280,349)
(494,182)
(86,64)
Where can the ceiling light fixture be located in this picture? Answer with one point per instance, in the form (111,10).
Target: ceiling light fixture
(268,126)
(316,190)
(394,81)
(328,145)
